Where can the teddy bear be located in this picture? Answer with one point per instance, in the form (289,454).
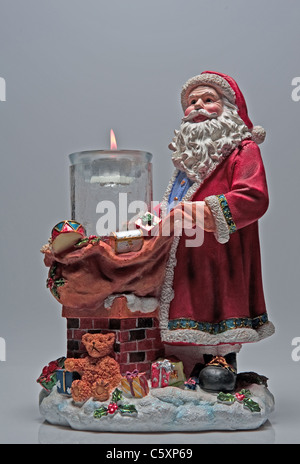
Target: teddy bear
(99,372)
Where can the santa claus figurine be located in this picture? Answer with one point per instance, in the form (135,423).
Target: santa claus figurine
(212,297)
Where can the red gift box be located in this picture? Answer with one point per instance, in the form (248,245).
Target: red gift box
(160,373)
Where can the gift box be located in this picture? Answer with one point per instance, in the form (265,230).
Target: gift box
(147,222)
(177,376)
(64,381)
(160,373)
(135,384)
(127,241)
(48,377)
(190,384)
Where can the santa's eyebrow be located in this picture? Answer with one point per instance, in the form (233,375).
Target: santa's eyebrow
(208,92)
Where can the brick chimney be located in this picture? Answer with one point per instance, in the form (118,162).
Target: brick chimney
(138,340)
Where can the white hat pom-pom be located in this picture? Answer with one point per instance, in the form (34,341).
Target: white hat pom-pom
(258,134)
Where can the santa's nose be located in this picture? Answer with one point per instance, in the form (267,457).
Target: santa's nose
(199,104)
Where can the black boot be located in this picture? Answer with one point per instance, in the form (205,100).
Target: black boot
(219,373)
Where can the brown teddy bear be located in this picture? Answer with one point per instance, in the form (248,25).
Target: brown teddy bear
(100,373)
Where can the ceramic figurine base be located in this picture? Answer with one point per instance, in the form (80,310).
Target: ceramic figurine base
(168,409)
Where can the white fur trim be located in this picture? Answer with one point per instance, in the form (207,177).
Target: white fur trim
(234,336)
(258,134)
(214,80)
(222,232)
(167,293)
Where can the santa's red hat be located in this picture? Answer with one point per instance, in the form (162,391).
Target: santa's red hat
(226,86)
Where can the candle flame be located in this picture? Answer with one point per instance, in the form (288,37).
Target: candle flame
(113,142)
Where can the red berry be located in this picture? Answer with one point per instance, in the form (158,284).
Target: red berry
(112,407)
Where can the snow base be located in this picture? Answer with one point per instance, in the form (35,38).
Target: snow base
(168,409)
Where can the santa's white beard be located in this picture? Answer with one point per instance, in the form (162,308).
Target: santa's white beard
(200,147)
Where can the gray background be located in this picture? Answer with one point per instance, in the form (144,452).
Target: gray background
(73,71)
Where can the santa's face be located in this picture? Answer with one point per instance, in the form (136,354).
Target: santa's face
(209,132)
(204,99)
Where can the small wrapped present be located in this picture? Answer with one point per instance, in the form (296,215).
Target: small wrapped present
(127,241)
(135,384)
(65,234)
(48,377)
(190,384)
(177,376)
(160,373)
(147,222)
(64,381)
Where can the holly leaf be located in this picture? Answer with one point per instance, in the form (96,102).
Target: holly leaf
(127,409)
(252,405)
(52,271)
(226,398)
(82,242)
(116,396)
(55,292)
(100,412)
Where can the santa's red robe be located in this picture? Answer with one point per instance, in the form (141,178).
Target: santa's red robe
(213,294)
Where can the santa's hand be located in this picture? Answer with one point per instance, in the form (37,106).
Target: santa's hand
(191,214)
(199,214)
(184,217)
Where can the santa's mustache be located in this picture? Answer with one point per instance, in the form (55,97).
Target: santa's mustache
(202,112)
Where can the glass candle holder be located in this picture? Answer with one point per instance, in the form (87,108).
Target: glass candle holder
(109,187)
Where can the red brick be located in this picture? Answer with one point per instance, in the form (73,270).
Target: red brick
(153,333)
(144,345)
(101,323)
(85,323)
(123,336)
(78,334)
(124,358)
(128,346)
(128,324)
(121,358)
(70,334)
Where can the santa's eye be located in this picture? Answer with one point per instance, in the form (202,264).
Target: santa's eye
(192,102)
(208,100)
